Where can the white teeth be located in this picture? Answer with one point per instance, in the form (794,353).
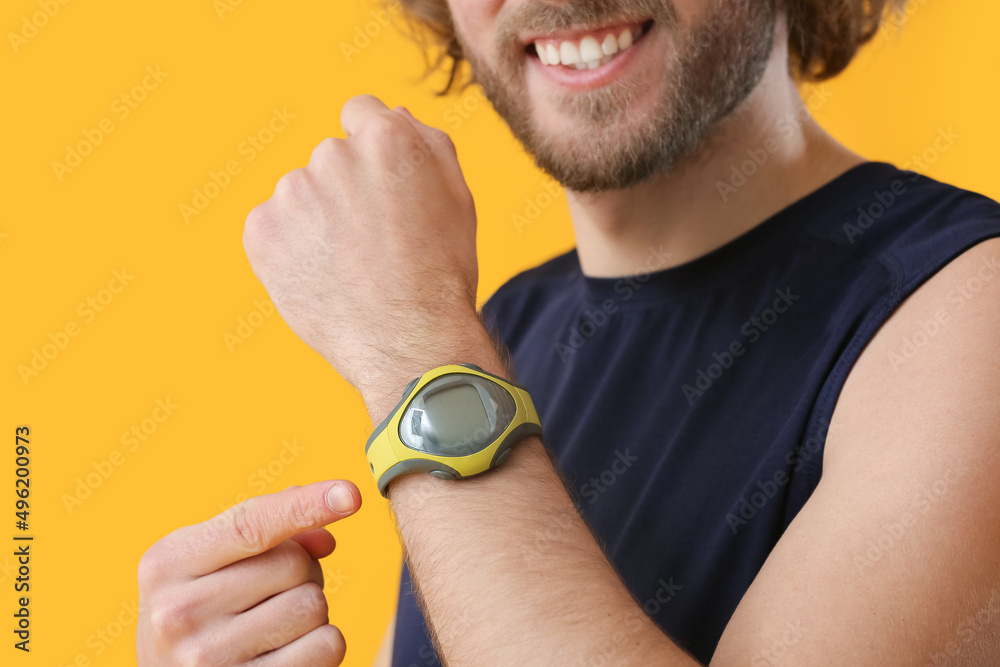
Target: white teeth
(625,39)
(568,53)
(588,53)
(610,45)
(553,54)
(589,49)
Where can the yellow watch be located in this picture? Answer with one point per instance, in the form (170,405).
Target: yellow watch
(454,421)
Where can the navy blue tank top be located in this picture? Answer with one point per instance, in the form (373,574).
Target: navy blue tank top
(688,407)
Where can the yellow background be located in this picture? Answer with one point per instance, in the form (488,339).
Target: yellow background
(164,335)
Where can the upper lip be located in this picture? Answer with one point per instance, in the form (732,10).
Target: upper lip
(580,32)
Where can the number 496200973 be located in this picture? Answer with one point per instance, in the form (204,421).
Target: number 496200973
(22,484)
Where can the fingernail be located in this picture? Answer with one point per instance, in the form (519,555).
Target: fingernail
(340,499)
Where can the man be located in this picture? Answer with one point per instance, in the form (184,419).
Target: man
(772,399)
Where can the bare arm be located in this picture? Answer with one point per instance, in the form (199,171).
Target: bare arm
(895,559)
(350,249)
(499,560)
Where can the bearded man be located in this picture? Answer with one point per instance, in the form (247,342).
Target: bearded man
(765,376)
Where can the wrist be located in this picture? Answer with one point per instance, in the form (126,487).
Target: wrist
(528,462)
(468,343)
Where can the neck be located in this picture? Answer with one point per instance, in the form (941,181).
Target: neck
(706,200)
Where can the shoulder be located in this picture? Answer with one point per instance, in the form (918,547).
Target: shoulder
(934,356)
(938,324)
(913,220)
(895,553)
(919,236)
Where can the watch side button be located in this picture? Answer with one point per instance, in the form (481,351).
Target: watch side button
(503,456)
(410,387)
(443,474)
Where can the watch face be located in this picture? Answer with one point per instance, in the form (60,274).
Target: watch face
(456,415)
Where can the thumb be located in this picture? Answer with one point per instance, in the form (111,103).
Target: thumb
(318,543)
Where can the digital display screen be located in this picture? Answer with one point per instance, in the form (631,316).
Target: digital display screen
(457,417)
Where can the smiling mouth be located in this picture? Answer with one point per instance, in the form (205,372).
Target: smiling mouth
(587,49)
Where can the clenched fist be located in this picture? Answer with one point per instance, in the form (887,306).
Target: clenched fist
(245,587)
(369,252)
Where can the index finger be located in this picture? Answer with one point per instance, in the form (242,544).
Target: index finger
(260,523)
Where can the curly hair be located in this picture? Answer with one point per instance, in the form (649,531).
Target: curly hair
(823,35)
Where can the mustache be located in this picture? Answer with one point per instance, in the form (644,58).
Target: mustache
(539,17)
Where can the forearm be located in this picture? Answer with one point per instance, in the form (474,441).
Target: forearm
(506,568)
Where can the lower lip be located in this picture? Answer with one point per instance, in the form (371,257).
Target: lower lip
(588,79)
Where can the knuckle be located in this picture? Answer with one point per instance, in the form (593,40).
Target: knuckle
(313,601)
(172,619)
(326,153)
(160,560)
(332,644)
(257,227)
(313,596)
(246,529)
(150,566)
(320,578)
(362,97)
(294,560)
(300,514)
(380,125)
(295,185)
(389,135)
(441,138)
(199,654)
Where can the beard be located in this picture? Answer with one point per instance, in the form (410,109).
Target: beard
(609,144)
